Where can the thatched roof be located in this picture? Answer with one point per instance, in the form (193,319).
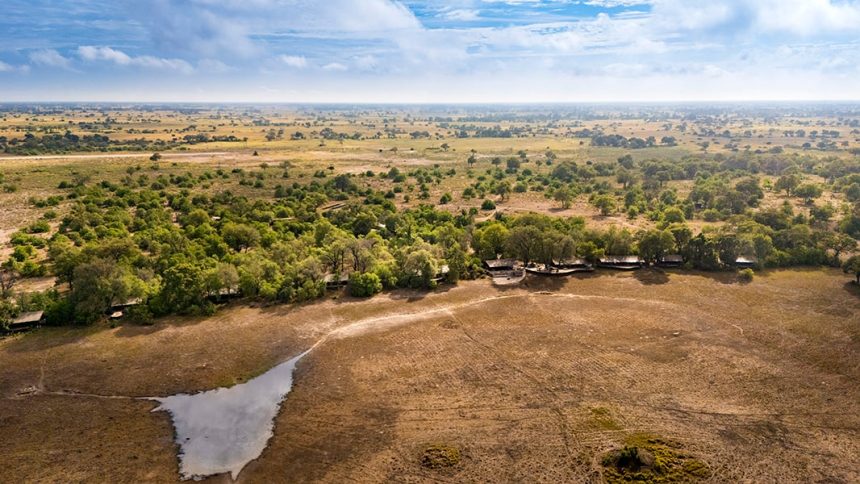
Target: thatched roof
(621,259)
(500,263)
(29,318)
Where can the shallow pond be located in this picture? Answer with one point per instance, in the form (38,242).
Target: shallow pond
(223,430)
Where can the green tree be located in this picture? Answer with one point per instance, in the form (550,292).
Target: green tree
(99,284)
(673,215)
(418,269)
(852,265)
(840,244)
(364,284)
(654,244)
(490,240)
(605,203)
(222,277)
(524,242)
(182,291)
(563,196)
(240,236)
(503,190)
(787,183)
(472,160)
(65,257)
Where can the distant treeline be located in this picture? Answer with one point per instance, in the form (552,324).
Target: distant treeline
(31,144)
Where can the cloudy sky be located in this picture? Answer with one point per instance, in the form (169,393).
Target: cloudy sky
(429,51)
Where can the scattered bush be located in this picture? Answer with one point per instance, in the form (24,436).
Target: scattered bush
(364,284)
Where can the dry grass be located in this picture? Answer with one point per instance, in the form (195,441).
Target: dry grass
(534,383)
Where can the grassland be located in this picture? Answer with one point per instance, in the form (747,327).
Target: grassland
(534,383)
(727,382)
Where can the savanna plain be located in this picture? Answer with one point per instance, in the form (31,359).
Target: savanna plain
(178,249)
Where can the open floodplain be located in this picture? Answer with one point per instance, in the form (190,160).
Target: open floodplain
(735,382)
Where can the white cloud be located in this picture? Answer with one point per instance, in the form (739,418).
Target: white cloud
(4,67)
(294,61)
(335,66)
(366,62)
(617,3)
(213,65)
(93,53)
(50,58)
(217,28)
(107,54)
(793,17)
(462,14)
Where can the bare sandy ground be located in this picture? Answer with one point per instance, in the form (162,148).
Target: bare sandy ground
(532,383)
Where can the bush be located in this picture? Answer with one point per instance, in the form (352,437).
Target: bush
(711,215)
(364,285)
(139,314)
(488,205)
(39,227)
(439,456)
(746,275)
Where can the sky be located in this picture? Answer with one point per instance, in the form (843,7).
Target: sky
(409,51)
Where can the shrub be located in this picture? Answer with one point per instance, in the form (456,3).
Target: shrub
(488,205)
(746,275)
(440,456)
(39,227)
(139,314)
(711,215)
(364,285)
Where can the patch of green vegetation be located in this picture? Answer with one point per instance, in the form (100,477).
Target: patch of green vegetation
(440,456)
(648,458)
(602,418)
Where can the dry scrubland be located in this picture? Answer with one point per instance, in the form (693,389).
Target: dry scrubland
(375,151)
(720,381)
(537,383)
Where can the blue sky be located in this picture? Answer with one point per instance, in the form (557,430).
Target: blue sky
(429,51)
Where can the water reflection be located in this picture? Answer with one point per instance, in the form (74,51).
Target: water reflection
(223,430)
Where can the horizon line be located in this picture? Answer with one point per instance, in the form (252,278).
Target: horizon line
(455,103)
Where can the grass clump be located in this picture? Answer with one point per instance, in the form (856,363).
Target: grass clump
(602,419)
(646,458)
(440,456)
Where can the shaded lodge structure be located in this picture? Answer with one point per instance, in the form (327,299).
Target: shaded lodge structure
(671,260)
(117,310)
(126,304)
(744,262)
(505,271)
(27,321)
(443,273)
(575,265)
(621,262)
(500,264)
(545,270)
(334,282)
